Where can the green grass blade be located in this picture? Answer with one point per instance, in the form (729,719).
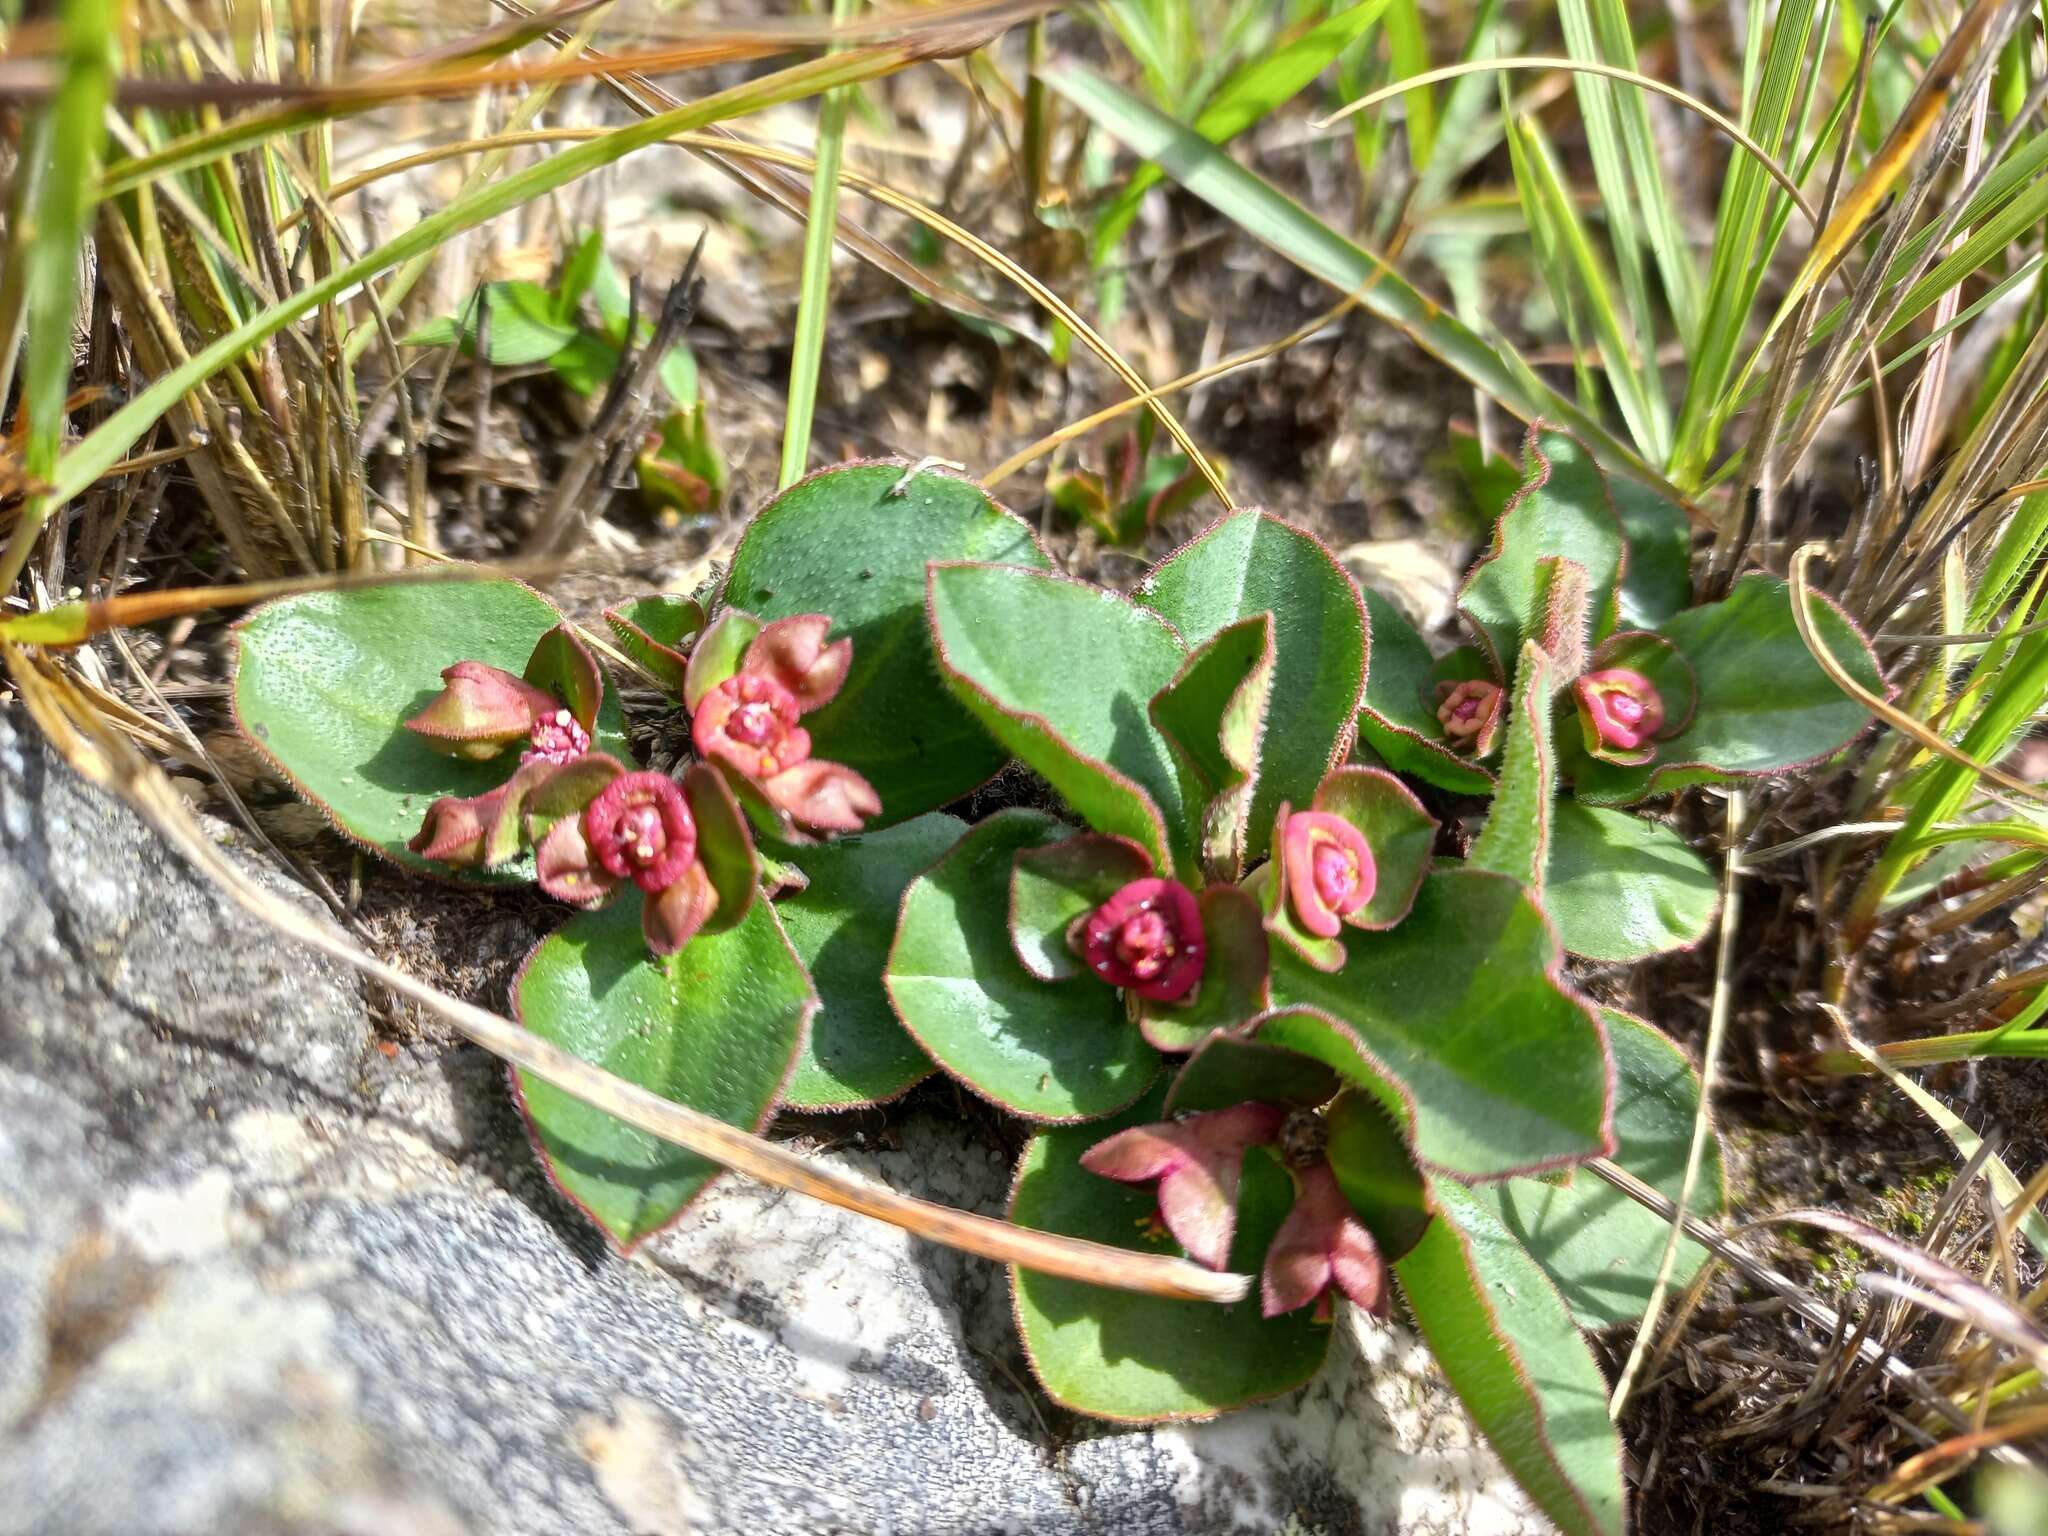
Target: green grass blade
(94,454)
(1408,53)
(1630,373)
(1271,216)
(1251,92)
(1740,255)
(74,132)
(1611,173)
(814,300)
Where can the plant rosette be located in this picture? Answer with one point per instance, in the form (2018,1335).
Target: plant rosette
(1214,954)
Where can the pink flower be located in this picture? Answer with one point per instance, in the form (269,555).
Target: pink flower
(748,722)
(556,738)
(1198,1162)
(639,828)
(1321,1243)
(482,711)
(1467,712)
(1619,709)
(1330,870)
(1147,937)
(455,831)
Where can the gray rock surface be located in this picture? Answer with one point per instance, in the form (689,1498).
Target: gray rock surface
(255,1277)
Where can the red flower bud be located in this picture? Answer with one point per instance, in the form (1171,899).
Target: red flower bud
(793,652)
(481,711)
(1198,1162)
(1321,1243)
(1147,937)
(1467,712)
(639,828)
(1620,710)
(1330,870)
(748,722)
(456,831)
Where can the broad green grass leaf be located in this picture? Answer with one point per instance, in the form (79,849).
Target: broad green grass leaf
(1515,1358)
(1562,510)
(1135,1359)
(1465,1004)
(715,1026)
(324,683)
(1251,563)
(1764,703)
(1062,674)
(1600,1247)
(1621,888)
(1399,720)
(842,542)
(841,926)
(1052,1051)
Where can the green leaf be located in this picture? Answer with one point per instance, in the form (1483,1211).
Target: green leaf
(1621,888)
(1231,1068)
(1053,888)
(1269,215)
(1061,674)
(1399,720)
(841,543)
(1214,715)
(324,682)
(724,846)
(524,327)
(656,632)
(1657,582)
(715,1026)
(841,926)
(1131,1358)
(1515,1358)
(1516,838)
(1764,703)
(1251,563)
(1561,510)
(1370,1153)
(1046,1050)
(1600,1247)
(1465,1004)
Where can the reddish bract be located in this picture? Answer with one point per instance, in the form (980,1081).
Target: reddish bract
(455,830)
(1321,1244)
(1467,712)
(1619,708)
(1198,1162)
(1329,870)
(1147,937)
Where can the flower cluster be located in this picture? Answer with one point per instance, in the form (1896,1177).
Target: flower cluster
(1198,1161)
(748,686)
(1147,938)
(593,823)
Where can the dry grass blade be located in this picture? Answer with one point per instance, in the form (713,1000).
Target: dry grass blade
(1970,1300)
(75,729)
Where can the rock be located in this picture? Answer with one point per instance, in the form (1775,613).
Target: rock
(257,1278)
